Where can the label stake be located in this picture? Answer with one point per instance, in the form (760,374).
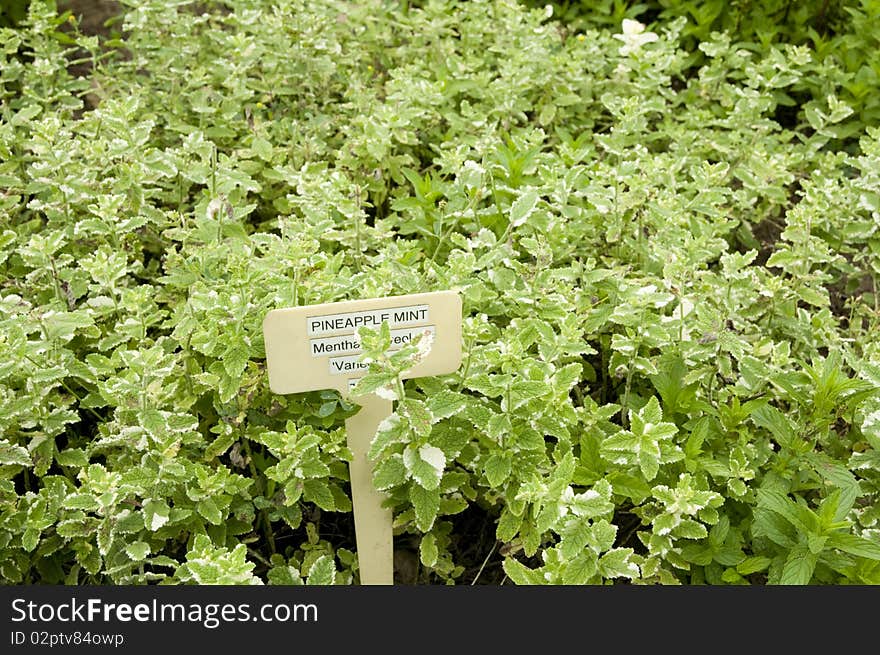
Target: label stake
(372,522)
(317,347)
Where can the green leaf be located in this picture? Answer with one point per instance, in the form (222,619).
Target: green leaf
(235,359)
(13,454)
(855,545)
(428,551)
(508,525)
(497,469)
(580,569)
(322,571)
(520,573)
(372,381)
(593,502)
(137,550)
(29,539)
(753,565)
(522,208)
(75,457)
(631,486)
(156,514)
(390,431)
(651,412)
(445,403)
(602,535)
(284,576)
(262,148)
(617,564)
(575,536)
(779,503)
(425,464)
(220,445)
(799,566)
(82,501)
(389,473)
(417,414)
(317,491)
(64,326)
(779,425)
(209,510)
(649,460)
(774,527)
(426,503)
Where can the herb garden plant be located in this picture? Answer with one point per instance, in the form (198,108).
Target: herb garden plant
(668,251)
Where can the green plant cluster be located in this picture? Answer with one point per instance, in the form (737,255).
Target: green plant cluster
(670,305)
(843,37)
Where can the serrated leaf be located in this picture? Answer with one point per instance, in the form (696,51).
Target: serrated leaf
(651,412)
(220,445)
(72,457)
(428,551)
(519,573)
(631,486)
(322,571)
(445,403)
(774,527)
(65,325)
(508,525)
(209,510)
(690,529)
(525,390)
(391,430)
(617,564)
(372,381)
(153,421)
(317,491)
(138,550)
(389,473)
(777,423)
(156,514)
(602,535)
(522,208)
(417,415)
(81,501)
(575,535)
(76,527)
(593,502)
(284,575)
(29,539)
(128,522)
(497,469)
(13,454)
(425,464)
(580,569)
(235,359)
(314,468)
(779,503)
(105,537)
(799,567)
(426,503)
(753,564)
(497,427)
(855,545)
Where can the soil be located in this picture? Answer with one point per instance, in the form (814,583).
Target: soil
(92,14)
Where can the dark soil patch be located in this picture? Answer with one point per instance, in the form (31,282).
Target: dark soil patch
(92,15)
(766,233)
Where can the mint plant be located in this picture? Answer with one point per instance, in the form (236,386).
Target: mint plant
(665,239)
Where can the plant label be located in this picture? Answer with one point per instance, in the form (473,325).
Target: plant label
(317,347)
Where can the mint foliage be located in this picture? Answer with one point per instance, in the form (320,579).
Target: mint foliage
(666,242)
